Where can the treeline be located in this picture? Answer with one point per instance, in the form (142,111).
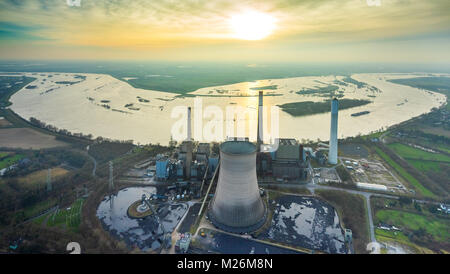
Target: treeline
(353,215)
(106,150)
(52,128)
(43,159)
(431,137)
(344,174)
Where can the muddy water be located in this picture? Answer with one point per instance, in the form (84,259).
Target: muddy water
(306,222)
(143,233)
(99,105)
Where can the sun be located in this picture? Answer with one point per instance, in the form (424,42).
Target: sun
(252,25)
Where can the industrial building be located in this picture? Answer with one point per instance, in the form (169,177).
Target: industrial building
(287,162)
(237,205)
(372,186)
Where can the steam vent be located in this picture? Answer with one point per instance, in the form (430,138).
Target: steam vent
(237,205)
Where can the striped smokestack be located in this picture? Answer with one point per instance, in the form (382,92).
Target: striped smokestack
(189,130)
(333,152)
(260,138)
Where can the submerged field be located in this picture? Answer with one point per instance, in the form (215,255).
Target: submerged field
(101,105)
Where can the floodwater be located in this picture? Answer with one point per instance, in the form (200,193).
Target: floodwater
(144,233)
(105,106)
(306,222)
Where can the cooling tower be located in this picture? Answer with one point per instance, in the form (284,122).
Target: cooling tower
(237,205)
(333,152)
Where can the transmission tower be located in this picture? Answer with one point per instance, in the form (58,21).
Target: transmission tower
(111,177)
(49,180)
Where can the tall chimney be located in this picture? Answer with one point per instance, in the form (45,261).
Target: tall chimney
(189,131)
(333,152)
(260,122)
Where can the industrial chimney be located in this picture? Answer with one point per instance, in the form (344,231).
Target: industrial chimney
(333,152)
(260,122)
(188,147)
(189,131)
(237,205)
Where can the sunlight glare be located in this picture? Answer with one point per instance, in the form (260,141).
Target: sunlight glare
(252,25)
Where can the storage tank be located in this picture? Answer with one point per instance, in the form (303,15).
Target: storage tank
(237,205)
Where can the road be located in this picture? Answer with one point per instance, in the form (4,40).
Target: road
(95,164)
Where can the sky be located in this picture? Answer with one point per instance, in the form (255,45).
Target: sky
(389,31)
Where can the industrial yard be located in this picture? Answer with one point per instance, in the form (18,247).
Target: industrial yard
(232,197)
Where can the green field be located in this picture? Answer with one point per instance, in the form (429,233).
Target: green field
(8,161)
(408,152)
(68,218)
(438,228)
(419,159)
(425,166)
(399,237)
(417,185)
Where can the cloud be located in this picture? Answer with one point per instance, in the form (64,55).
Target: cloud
(9,30)
(201,25)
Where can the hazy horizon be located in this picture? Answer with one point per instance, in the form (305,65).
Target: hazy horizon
(385,31)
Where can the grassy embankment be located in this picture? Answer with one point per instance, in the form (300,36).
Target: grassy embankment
(420,159)
(402,172)
(9,160)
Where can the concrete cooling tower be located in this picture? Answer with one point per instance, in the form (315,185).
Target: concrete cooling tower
(237,205)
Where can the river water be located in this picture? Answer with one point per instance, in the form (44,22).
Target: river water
(105,106)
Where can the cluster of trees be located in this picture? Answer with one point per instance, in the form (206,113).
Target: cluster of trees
(44,159)
(105,150)
(52,128)
(344,174)
(309,107)
(352,211)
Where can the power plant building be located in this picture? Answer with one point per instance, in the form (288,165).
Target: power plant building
(288,160)
(237,205)
(162,168)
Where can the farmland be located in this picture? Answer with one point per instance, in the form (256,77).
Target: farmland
(402,172)
(437,228)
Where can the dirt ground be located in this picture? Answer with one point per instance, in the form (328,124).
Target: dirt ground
(27,138)
(4,122)
(40,176)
